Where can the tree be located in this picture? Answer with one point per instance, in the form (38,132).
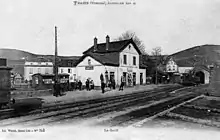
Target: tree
(137,41)
(156,53)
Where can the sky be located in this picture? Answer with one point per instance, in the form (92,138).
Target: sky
(173,25)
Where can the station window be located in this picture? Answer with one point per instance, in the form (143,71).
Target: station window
(125,59)
(134,60)
(69,71)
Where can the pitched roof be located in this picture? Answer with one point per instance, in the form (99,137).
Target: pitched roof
(184,63)
(111,56)
(68,62)
(111,59)
(39,59)
(51,75)
(115,46)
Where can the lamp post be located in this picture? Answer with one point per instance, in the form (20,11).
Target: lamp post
(55,58)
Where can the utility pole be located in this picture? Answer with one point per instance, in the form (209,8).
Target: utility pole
(156,70)
(55,58)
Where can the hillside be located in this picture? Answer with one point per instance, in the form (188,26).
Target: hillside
(15,58)
(14,54)
(204,54)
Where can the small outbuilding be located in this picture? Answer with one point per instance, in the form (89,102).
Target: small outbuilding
(46,81)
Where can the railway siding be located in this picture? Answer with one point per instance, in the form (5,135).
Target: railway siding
(97,107)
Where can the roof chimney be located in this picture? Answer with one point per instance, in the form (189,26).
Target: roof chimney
(107,42)
(95,44)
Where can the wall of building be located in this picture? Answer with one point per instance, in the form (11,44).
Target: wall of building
(31,68)
(207,76)
(130,68)
(184,69)
(110,69)
(83,74)
(130,52)
(97,68)
(130,71)
(69,70)
(144,75)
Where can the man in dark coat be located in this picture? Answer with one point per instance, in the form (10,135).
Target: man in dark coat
(92,84)
(57,89)
(87,84)
(80,85)
(102,83)
(122,83)
(113,83)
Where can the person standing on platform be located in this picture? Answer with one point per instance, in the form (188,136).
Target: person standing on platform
(87,84)
(122,83)
(55,89)
(102,83)
(59,89)
(80,85)
(92,84)
(113,83)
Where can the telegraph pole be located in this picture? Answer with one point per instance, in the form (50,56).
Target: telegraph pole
(156,71)
(55,58)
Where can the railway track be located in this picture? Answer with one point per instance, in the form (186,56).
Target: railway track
(152,110)
(90,108)
(11,113)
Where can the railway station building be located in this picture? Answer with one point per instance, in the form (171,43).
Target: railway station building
(37,65)
(68,66)
(112,60)
(182,67)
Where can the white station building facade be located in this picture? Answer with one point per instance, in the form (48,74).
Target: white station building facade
(38,65)
(112,60)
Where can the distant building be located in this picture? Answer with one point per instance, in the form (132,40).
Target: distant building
(171,66)
(68,66)
(179,68)
(39,65)
(113,60)
(46,81)
(17,78)
(17,66)
(3,62)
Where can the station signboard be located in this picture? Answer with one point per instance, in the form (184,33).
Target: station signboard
(89,67)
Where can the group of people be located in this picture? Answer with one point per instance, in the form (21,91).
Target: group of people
(111,83)
(89,85)
(78,85)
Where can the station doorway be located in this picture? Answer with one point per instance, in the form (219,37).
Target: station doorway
(201,75)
